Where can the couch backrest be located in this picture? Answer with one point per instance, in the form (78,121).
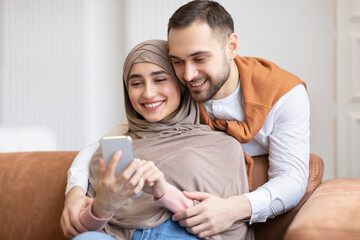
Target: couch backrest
(32,194)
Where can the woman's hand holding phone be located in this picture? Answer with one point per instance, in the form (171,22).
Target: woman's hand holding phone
(112,192)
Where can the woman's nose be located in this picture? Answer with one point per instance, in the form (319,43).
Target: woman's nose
(149,91)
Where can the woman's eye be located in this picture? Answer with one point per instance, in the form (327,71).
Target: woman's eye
(160,80)
(135,84)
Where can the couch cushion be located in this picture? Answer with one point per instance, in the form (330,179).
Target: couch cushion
(32,194)
(332,212)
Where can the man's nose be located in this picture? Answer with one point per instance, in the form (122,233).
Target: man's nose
(190,72)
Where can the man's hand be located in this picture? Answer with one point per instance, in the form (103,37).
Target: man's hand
(75,201)
(213,214)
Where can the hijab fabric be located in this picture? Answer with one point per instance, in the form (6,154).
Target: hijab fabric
(191,156)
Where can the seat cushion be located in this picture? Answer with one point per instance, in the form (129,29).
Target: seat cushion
(332,212)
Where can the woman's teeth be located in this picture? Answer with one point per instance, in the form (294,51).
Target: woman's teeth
(151,105)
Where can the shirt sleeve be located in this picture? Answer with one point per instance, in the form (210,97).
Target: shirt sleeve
(78,173)
(289,151)
(90,222)
(175,200)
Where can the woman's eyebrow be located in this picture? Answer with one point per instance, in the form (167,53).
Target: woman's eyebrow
(135,76)
(158,72)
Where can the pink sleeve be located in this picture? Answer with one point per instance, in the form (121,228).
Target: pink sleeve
(90,222)
(175,200)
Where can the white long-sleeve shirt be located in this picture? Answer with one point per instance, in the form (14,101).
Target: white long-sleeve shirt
(284,136)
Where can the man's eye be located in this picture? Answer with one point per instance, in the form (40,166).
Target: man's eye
(199,59)
(175,62)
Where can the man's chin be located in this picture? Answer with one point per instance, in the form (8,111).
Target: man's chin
(199,96)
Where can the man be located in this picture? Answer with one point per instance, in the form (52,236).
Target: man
(261,105)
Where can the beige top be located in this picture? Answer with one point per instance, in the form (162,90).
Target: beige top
(191,156)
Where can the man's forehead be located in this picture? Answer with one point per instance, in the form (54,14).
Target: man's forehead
(191,40)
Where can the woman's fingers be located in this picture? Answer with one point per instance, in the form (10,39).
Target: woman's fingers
(132,180)
(110,170)
(135,190)
(102,168)
(129,173)
(152,178)
(132,176)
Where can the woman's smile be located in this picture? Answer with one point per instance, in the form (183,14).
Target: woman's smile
(153,105)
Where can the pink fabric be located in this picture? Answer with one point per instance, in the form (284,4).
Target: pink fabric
(175,200)
(90,222)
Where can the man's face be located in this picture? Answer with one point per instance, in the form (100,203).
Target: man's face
(200,60)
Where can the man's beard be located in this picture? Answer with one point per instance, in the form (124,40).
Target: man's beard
(215,86)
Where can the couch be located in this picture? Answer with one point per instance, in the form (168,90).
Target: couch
(33,185)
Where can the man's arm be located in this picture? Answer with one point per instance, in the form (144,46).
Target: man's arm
(75,193)
(78,173)
(289,151)
(288,156)
(74,203)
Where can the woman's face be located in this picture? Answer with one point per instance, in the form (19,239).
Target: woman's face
(153,93)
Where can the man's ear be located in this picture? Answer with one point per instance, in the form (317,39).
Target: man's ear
(232,46)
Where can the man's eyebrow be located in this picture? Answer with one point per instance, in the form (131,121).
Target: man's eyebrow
(191,55)
(198,53)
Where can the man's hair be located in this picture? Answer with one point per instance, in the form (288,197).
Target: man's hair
(209,12)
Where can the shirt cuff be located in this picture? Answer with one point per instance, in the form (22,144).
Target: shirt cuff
(260,206)
(175,200)
(90,222)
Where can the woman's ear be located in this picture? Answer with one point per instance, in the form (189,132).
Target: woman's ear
(232,46)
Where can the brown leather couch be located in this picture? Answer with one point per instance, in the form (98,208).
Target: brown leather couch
(33,185)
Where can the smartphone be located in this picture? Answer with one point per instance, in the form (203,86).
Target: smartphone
(109,145)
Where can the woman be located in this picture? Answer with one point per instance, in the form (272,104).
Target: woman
(164,124)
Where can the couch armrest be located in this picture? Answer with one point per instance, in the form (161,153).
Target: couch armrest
(32,194)
(274,229)
(332,212)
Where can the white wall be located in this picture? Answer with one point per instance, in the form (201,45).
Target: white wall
(61,66)
(42,72)
(66,55)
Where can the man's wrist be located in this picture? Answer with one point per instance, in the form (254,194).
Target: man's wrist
(242,207)
(75,191)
